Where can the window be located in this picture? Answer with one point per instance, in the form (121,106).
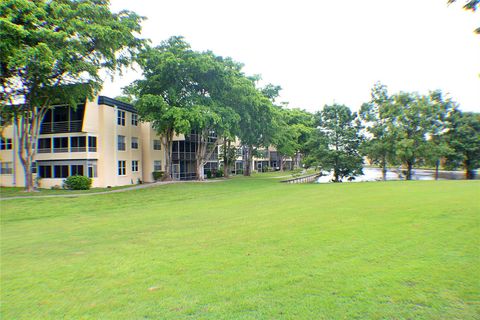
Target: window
(92,170)
(60,171)
(157,145)
(134,143)
(34,167)
(121,118)
(121,143)
(44,145)
(78,144)
(92,144)
(122,168)
(60,144)
(5,144)
(76,170)
(45,171)
(134,119)
(157,165)
(6,167)
(134,165)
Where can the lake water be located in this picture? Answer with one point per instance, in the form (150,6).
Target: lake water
(375,174)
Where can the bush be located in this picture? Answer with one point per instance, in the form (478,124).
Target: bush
(209,174)
(78,183)
(219,173)
(157,175)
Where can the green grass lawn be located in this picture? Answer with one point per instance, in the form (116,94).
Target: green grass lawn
(246,249)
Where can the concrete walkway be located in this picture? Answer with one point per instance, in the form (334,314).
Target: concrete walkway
(136,187)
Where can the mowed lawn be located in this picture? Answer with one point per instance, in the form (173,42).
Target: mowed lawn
(247,248)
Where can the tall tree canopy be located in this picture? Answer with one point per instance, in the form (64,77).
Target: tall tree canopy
(48,49)
(186,91)
(463,137)
(335,144)
(413,118)
(379,146)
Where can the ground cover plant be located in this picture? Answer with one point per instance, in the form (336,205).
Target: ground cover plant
(246,248)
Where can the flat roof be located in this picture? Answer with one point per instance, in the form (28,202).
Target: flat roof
(116,103)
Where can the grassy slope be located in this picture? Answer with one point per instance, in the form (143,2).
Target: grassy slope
(246,249)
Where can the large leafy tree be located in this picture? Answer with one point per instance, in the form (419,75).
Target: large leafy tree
(255,125)
(293,129)
(379,145)
(335,144)
(185,91)
(413,118)
(463,137)
(53,51)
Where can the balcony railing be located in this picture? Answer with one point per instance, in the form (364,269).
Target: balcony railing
(61,127)
(72,149)
(60,150)
(183,156)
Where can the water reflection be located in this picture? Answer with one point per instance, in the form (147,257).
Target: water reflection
(375,174)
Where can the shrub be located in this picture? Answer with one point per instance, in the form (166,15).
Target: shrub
(157,175)
(219,173)
(209,174)
(78,183)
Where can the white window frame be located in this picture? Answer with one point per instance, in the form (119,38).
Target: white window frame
(134,143)
(135,165)
(155,167)
(121,118)
(155,145)
(134,119)
(124,143)
(122,168)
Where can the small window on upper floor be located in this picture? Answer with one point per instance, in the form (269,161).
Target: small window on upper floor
(5,144)
(134,143)
(157,145)
(121,145)
(134,119)
(121,118)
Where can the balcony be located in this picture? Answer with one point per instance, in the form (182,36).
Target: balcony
(61,127)
(183,156)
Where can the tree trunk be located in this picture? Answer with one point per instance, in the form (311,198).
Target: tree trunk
(437,165)
(226,162)
(27,126)
(167,143)
(409,170)
(200,156)
(384,169)
(469,173)
(27,169)
(335,175)
(247,171)
(281,163)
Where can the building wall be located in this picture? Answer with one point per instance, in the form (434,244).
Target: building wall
(99,121)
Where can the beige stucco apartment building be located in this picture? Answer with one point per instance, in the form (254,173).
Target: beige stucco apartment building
(102,139)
